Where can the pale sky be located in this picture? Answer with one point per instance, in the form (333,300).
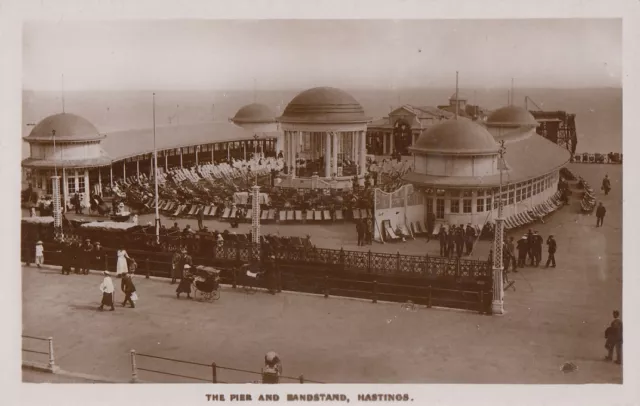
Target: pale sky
(295,54)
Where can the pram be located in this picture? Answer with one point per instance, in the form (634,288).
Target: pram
(206,283)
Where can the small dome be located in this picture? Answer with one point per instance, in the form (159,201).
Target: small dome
(67,127)
(461,136)
(460,97)
(254,113)
(324,105)
(511,116)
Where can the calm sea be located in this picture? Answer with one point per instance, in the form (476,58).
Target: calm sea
(185,117)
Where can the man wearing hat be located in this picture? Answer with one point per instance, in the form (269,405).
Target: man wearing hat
(523,249)
(272,369)
(537,248)
(39,254)
(552,245)
(87,257)
(99,255)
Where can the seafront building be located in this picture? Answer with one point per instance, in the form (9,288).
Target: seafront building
(456,168)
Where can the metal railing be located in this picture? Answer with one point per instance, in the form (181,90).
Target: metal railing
(214,368)
(51,359)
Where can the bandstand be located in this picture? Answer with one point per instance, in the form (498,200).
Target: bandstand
(65,145)
(324,138)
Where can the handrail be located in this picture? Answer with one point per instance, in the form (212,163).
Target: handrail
(51,364)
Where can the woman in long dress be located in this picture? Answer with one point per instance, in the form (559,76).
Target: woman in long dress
(121,266)
(106,287)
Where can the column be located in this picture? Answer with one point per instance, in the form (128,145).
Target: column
(111,176)
(151,166)
(362,156)
(65,190)
(244,150)
(392,144)
(285,146)
(294,149)
(100,180)
(87,188)
(180,157)
(197,148)
(124,169)
(327,155)
(334,155)
(212,148)
(138,168)
(384,144)
(279,142)
(166,163)
(228,154)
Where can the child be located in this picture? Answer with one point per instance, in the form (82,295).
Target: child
(39,254)
(133,265)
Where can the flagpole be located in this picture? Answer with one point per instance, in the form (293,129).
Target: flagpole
(155,171)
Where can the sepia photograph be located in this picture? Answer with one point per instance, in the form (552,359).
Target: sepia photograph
(331,201)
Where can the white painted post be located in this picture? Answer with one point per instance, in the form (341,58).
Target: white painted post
(52,362)
(134,368)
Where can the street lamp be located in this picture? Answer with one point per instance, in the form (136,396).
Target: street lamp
(497,305)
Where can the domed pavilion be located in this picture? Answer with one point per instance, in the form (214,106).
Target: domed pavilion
(324,134)
(69,145)
(456,166)
(260,120)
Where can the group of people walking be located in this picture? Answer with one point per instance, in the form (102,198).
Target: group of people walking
(364,231)
(108,291)
(456,240)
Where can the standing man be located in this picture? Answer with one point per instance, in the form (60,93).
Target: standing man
(606,185)
(87,256)
(431,222)
(176,265)
(459,241)
(511,259)
(99,255)
(551,244)
(128,288)
(360,232)
(600,212)
(201,218)
(537,247)
(443,237)
(530,247)
(523,249)
(451,241)
(613,334)
(470,238)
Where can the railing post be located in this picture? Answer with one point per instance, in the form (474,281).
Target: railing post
(326,286)
(235,278)
(146,264)
(426,264)
(214,372)
(481,302)
(341,258)
(279,276)
(52,362)
(398,263)
(375,291)
(429,298)
(301,378)
(369,262)
(458,259)
(134,368)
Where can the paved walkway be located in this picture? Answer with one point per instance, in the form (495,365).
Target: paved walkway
(555,316)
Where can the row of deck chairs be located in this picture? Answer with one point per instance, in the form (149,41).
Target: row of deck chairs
(588,199)
(536,213)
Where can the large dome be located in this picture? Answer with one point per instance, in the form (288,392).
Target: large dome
(461,136)
(460,97)
(511,116)
(68,128)
(254,113)
(322,105)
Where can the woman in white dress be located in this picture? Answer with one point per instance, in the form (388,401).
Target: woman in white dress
(121,266)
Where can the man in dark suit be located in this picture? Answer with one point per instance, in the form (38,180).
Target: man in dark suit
(552,246)
(613,334)
(431,222)
(600,212)
(443,237)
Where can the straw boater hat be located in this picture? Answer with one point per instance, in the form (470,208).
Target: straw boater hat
(39,243)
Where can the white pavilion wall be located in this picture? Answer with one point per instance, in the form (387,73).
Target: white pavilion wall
(441,165)
(66,151)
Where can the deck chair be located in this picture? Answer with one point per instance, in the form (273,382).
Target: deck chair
(227,211)
(413,228)
(339,215)
(418,229)
(327,215)
(391,235)
(309,216)
(356,214)
(272,215)
(282,215)
(290,215)
(193,210)
(436,229)
(405,231)
(249,215)
(317,215)
(264,215)
(233,213)
(364,214)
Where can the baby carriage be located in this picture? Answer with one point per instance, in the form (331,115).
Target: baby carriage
(206,283)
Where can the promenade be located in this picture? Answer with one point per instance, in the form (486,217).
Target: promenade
(555,316)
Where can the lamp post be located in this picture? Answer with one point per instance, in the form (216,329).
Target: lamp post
(155,171)
(497,304)
(55,189)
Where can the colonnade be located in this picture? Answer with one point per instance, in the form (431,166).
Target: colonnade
(338,146)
